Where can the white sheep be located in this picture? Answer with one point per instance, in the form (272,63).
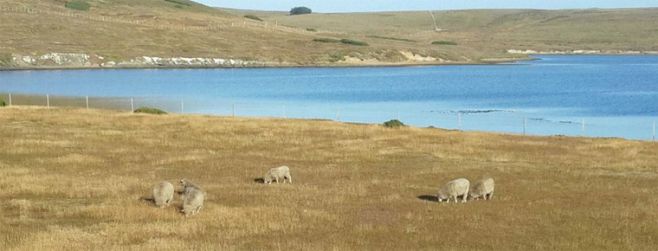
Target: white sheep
(192,201)
(453,189)
(163,194)
(193,197)
(483,188)
(277,173)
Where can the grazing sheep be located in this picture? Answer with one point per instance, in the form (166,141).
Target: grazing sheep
(274,174)
(453,189)
(163,194)
(192,201)
(189,185)
(483,188)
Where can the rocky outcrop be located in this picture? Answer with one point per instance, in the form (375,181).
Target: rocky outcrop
(81,60)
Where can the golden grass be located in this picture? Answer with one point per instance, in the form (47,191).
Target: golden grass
(73,179)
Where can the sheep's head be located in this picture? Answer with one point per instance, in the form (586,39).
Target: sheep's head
(183,182)
(441,197)
(267,179)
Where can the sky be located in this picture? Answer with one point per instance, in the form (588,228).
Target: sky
(393,5)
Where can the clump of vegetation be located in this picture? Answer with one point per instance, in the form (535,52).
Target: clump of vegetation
(253,17)
(300,11)
(394,123)
(311,29)
(6,59)
(353,42)
(179,2)
(2,103)
(326,40)
(442,42)
(150,110)
(77,5)
(393,38)
(336,56)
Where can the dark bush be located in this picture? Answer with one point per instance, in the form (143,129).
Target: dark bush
(2,103)
(150,110)
(181,2)
(311,29)
(253,17)
(77,5)
(300,11)
(326,40)
(444,43)
(394,123)
(353,42)
(393,38)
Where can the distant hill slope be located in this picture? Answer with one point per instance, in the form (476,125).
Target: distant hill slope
(126,30)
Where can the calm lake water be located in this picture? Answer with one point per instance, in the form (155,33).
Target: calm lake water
(613,95)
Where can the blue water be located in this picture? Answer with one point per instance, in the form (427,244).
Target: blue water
(570,95)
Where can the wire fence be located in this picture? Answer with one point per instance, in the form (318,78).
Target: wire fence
(641,128)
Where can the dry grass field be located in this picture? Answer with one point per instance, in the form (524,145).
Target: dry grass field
(76,179)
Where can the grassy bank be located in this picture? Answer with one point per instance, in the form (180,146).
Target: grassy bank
(72,178)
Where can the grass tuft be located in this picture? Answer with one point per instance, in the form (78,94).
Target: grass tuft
(353,42)
(326,40)
(442,42)
(2,103)
(253,17)
(78,5)
(150,110)
(394,123)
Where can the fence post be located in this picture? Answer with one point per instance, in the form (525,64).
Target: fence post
(582,126)
(48,100)
(459,120)
(10,99)
(182,106)
(87,102)
(654,131)
(132,105)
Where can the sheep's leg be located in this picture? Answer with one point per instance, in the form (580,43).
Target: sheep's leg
(491,195)
(465,198)
(277,180)
(289,179)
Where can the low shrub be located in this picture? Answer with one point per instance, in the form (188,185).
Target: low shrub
(77,5)
(2,103)
(300,11)
(180,2)
(444,43)
(353,42)
(394,123)
(326,40)
(311,29)
(150,110)
(253,17)
(393,38)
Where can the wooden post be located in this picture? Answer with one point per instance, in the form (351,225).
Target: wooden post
(132,105)
(87,102)
(10,99)
(582,126)
(459,120)
(48,100)
(654,131)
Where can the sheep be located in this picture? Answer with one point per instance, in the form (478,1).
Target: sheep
(483,188)
(189,185)
(193,197)
(453,189)
(163,194)
(192,201)
(274,174)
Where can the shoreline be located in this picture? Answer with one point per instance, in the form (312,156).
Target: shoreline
(485,61)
